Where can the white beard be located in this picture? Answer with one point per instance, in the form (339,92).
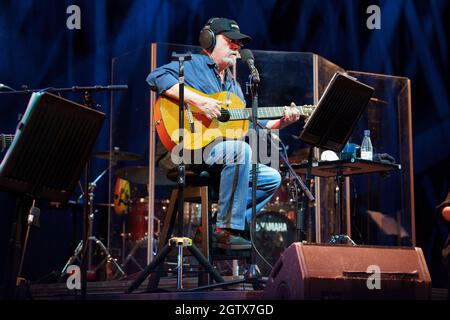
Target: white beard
(230,61)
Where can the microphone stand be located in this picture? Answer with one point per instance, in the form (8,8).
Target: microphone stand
(301,214)
(96,88)
(88,102)
(307,195)
(253,274)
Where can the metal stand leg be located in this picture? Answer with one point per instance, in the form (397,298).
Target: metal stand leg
(72,259)
(22,289)
(180,242)
(130,256)
(108,258)
(340,238)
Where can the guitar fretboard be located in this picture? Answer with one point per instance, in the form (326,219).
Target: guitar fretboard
(267,112)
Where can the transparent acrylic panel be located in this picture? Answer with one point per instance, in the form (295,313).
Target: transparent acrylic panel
(382,212)
(130,141)
(327,214)
(285,77)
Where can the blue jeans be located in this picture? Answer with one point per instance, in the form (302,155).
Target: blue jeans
(233,160)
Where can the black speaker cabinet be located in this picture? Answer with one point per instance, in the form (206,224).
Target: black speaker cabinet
(334,272)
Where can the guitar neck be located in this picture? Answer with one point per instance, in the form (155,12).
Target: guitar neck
(6,141)
(266,112)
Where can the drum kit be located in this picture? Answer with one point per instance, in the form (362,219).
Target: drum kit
(275,225)
(130,204)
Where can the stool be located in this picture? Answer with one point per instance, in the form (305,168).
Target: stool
(198,189)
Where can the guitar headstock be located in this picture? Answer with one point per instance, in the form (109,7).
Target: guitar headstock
(5,141)
(307,110)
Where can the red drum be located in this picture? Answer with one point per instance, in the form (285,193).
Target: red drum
(282,194)
(283,201)
(137,225)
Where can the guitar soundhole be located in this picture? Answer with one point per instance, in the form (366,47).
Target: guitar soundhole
(224,115)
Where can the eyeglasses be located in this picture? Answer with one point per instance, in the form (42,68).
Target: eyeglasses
(233,43)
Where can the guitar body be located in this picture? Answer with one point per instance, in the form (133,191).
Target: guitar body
(232,124)
(205,130)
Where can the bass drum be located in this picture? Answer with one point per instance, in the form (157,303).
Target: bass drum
(274,233)
(137,220)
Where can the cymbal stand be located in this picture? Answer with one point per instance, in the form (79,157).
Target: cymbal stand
(130,257)
(91,238)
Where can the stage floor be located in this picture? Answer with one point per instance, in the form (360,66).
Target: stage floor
(116,290)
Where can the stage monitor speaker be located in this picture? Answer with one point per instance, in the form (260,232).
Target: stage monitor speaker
(341,272)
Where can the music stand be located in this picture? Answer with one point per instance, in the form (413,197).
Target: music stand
(339,109)
(332,122)
(51,146)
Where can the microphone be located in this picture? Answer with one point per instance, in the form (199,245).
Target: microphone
(4,87)
(249,59)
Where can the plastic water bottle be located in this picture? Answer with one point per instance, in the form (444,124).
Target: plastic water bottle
(366,147)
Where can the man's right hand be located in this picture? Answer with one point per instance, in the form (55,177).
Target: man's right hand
(209,106)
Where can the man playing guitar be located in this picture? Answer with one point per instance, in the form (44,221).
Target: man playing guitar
(209,73)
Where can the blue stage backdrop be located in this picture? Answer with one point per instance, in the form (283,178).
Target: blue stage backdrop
(38,50)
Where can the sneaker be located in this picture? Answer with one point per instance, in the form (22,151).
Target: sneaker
(232,240)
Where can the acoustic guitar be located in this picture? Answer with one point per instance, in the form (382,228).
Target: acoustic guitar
(199,131)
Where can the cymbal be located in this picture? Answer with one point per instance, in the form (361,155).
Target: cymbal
(137,174)
(117,155)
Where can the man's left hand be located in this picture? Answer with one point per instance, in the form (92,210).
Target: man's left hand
(291,114)
(446,213)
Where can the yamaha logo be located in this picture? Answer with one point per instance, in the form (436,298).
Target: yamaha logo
(272,226)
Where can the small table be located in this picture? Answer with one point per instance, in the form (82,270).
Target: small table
(341,169)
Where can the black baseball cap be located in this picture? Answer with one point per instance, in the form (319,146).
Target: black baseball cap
(230,29)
